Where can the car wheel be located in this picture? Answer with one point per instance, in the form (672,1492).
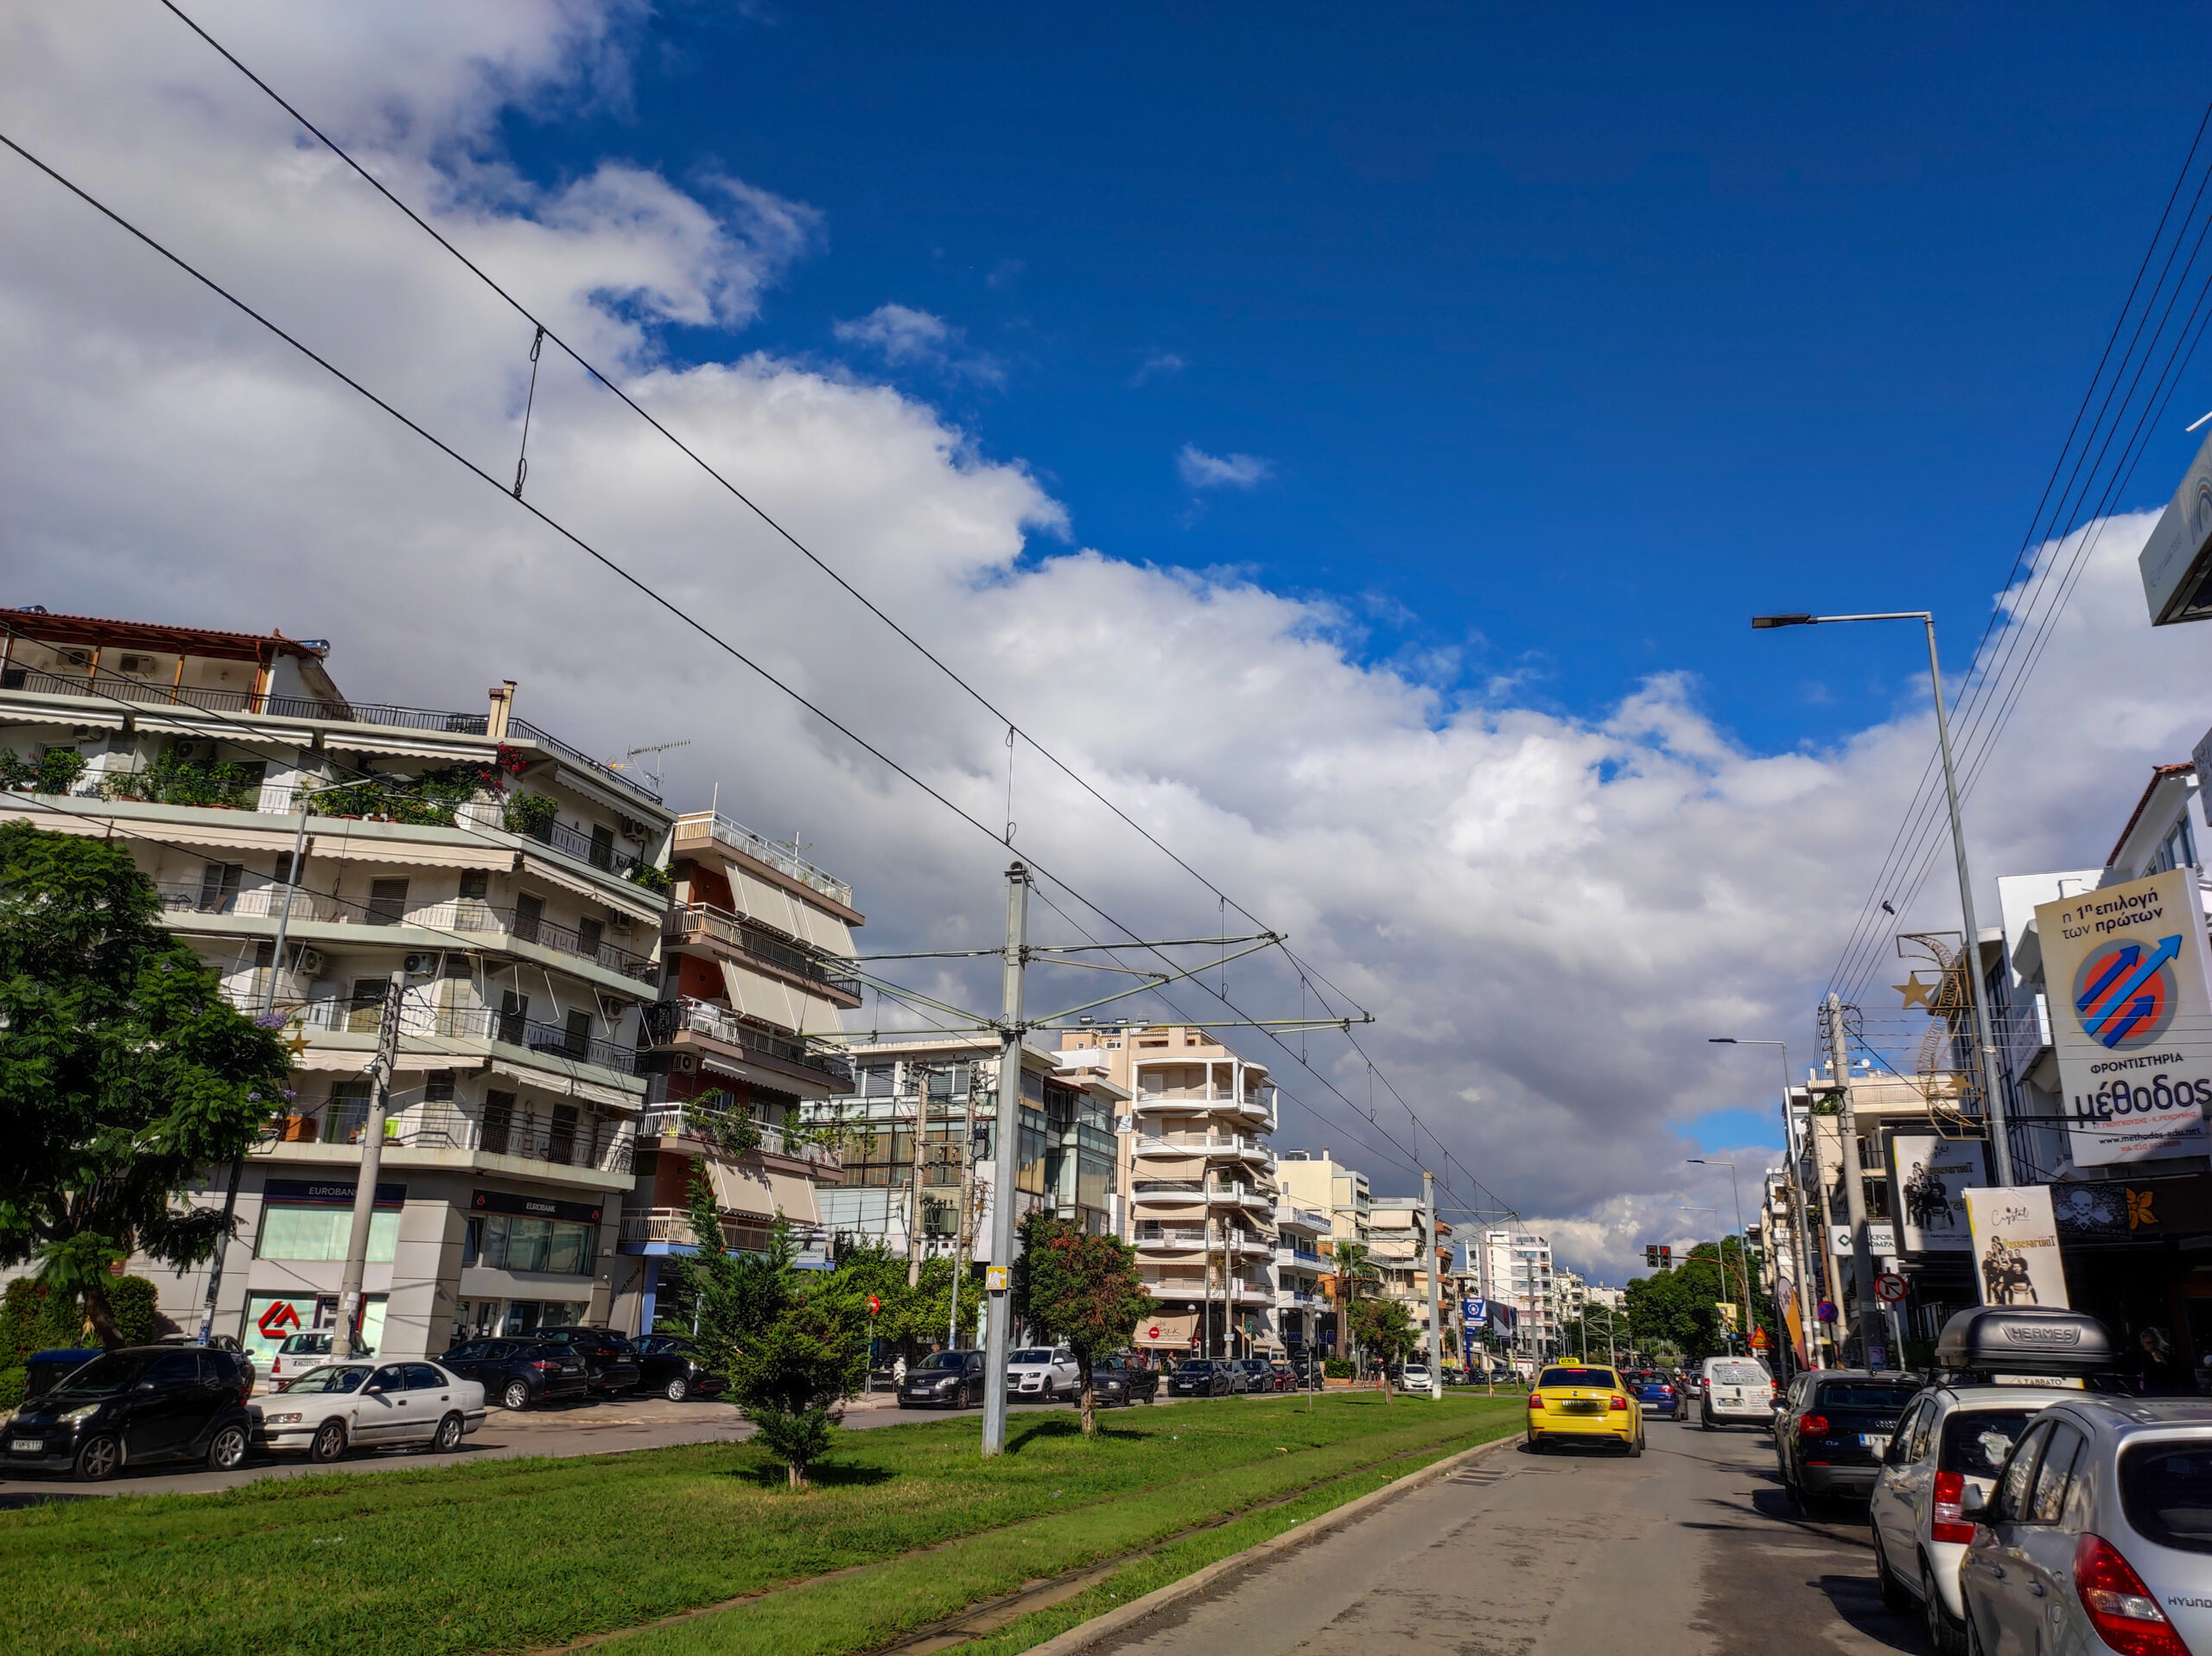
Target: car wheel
(1972,1646)
(98,1459)
(678,1389)
(226,1450)
(447,1438)
(1636,1446)
(1897,1597)
(329,1443)
(516,1397)
(1947,1636)
(1705,1421)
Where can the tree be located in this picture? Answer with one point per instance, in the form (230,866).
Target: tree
(1083,1290)
(1385,1333)
(1353,1274)
(123,1072)
(915,1318)
(791,1347)
(1680,1308)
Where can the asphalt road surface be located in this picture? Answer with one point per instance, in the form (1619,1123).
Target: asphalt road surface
(1690,1549)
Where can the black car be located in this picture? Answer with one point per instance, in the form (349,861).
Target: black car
(139,1404)
(519,1373)
(1199,1377)
(609,1358)
(674,1368)
(943,1379)
(1116,1380)
(1829,1438)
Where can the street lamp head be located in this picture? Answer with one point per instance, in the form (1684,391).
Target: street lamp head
(1761,623)
(1720,1041)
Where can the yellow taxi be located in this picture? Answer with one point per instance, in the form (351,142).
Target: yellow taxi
(1582,1403)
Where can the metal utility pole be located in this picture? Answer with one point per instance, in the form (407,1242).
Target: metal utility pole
(999,1276)
(1866,1310)
(364,1193)
(914,1195)
(1992,1100)
(962,1219)
(1435,1314)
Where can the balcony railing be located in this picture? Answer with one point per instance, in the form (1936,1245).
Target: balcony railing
(1225,1144)
(690,1120)
(672,1227)
(603,1143)
(1307,1257)
(666,1019)
(144,692)
(343,1013)
(254,899)
(761,848)
(473,915)
(725,927)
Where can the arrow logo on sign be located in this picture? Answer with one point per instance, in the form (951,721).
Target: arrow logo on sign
(2109,1026)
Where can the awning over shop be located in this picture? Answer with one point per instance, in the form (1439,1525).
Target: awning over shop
(1170,1331)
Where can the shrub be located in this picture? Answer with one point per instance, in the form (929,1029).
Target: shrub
(55,771)
(1338,1368)
(531,814)
(130,1301)
(658,880)
(171,779)
(12,1382)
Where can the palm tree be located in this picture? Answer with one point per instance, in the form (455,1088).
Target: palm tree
(1354,1271)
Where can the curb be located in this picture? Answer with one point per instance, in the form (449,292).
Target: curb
(1084,1634)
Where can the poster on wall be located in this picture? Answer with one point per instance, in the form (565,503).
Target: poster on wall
(1931,1175)
(2130,1018)
(2016,1247)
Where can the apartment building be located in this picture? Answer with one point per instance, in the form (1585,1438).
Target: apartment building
(308,846)
(1570,1296)
(1301,1296)
(1516,1268)
(1201,1183)
(1317,1182)
(947,1087)
(754,946)
(1397,1226)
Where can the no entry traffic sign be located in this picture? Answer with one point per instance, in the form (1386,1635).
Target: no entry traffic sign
(1889,1288)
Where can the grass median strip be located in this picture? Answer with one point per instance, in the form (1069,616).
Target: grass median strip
(516,1555)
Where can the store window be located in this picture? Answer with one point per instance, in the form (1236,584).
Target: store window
(321,1233)
(511,1242)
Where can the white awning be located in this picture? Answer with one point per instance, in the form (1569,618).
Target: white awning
(641,904)
(331,838)
(568,1086)
(773,1002)
(1169,1331)
(1169,1167)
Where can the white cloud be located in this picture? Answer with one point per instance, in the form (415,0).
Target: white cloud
(1548,913)
(1201,470)
(909,338)
(1157,365)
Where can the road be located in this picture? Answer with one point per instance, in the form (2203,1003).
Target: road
(1690,1549)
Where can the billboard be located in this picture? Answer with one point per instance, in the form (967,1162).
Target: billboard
(1930,1174)
(2127,967)
(1881,1237)
(2176,561)
(2016,1247)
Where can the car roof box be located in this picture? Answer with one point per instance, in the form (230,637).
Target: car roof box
(2026,1339)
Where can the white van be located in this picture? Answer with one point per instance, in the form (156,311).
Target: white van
(1734,1391)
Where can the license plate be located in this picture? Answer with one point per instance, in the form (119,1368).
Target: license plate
(1582,1407)
(1735,1395)
(25,1446)
(1878,1442)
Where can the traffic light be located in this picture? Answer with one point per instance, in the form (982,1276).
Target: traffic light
(1651,1255)
(1666,1257)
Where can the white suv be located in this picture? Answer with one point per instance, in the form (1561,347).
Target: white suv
(1043,1372)
(1734,1391)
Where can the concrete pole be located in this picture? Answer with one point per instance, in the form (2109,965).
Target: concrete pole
(1806,1296)
(1435,1314)
(914,1194)
(961,1220)
(364,1193)
(999,1275)
(1866,1310)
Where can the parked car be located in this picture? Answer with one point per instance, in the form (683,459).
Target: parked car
(944,1379)
(674,1368)
(1251,1374)
(1656,1394)
(136,1404)
(1414,1376)
(609,1358)
(1199,1377)
(520,1373)
(1286,1377)
(2098,1535)
(1116,1380)
(1042,1373)
(1583,1401)
(1734,1391)
(299,1353)
(1833,1430)
(372,1406)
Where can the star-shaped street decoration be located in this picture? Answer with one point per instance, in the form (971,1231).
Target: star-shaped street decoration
(1915,993)
(298,1043)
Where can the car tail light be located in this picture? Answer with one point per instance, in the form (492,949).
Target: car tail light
(1812,1426)
(1944,1523)
(1619,1403)
(1535,1400)
(544,1367)
(2120,1607)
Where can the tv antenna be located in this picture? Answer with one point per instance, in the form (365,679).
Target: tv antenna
(651,772)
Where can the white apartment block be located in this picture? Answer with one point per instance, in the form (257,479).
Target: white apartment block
(1396,1224)
(1516,1268)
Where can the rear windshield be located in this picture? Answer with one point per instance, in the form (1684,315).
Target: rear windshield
(1739,1374)
(104,1376)
(1975,1443)
(1865,1394)
(1575,1377)
(2166,1489)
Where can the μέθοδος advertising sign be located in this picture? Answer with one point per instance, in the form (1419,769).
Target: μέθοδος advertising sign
(2127,967)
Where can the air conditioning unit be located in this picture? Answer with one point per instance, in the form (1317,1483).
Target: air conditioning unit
(311,963)
(185,750)
(138,663)
(77,658)
(420,964)
(683,1063)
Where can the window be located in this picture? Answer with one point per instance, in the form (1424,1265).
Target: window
(365,1015)
(557,1247)
(387,902)
(2012,1488)
(298,1232)
(438,1089)
(514,1013)
(475,883)
(349,1112)
(218,887)
(2178,849)
(2166,1491)
(579,1039)
(499,1121)
(1976,1442)
(2050,1497)
(602,846)
(590,935)
(286,874)
(561,1142)
(529,915)
(421,1377)
(875,1081)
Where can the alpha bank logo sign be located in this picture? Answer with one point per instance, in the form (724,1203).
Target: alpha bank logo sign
(2133,1032)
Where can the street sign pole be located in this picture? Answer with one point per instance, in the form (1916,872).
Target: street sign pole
(999,1277)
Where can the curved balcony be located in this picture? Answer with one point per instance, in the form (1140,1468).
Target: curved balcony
(1183,1239)
(1225,1146)
(718,1030)
(1188,1193)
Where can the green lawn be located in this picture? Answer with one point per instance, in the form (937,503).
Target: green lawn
(513,1555)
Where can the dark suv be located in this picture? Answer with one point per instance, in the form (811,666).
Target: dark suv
(1834,1429)
(609,1358)
(674,1368)
(519,1373)
(943,1379)
(142,1402)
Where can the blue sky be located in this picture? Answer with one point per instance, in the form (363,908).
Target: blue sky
(1564,339)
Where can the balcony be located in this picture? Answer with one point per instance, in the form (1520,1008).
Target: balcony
(670,1229)
(475,915)
(2024,1033)
(676,1023)
(690,1120)
(1308,1258)
(1203,1144)
(1239,1292)
(343,1014)
(1288,1299)
(564,1138)
(713,825)
(719,929)
(1181,1238)
(253,899)
(1179,1191)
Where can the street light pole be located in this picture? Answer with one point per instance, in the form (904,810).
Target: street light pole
(1992,1102)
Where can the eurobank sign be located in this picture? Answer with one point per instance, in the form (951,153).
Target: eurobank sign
(2130,1018)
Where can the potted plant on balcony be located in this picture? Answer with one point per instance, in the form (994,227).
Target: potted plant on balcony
(531,814)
